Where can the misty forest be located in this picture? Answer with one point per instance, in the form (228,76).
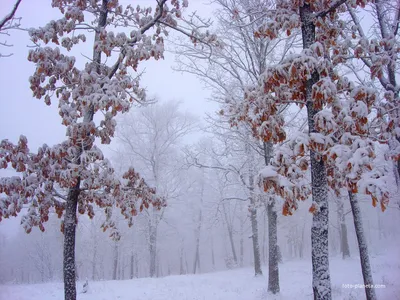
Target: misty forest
(175,149)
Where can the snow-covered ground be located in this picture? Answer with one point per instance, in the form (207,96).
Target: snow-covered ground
(238,284)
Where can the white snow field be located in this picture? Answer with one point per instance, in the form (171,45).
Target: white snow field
(238,284)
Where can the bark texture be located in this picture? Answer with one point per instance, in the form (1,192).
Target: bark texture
(69,243)
(256,245)
(362,245)
(319,230)
(273,258)
(273,254)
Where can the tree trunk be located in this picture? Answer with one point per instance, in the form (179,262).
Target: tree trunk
(115,262)
(136,266)
(153,249)
(94,261)
(319,230)
(273,255)
(253,216)
(181,268)
(344,242)
(273,258)
(230,234)
(254,237)
(198,231)
(241,259)
(131,274)
(264,252)
(362,245)
(69,243)
(212,254)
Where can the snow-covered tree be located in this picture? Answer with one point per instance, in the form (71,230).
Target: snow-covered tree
(337,112)
(74,175)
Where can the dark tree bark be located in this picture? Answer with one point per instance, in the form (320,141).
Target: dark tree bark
(273,258)
(319,230)
(362,245)
(273,255)
(253,216)
(254,237)
(69,243)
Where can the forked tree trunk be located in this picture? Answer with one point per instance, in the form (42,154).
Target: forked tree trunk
(362,245)
(319,230)
(69,243)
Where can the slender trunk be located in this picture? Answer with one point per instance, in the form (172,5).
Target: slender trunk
(253,215)
(344,242)
(212,254)
(273,255)
(115,262)
(136,266)
(131,274)
(319,230)
(273,258)
(362,245)
(181,269)
(264,252)
(301,243)
(69,243)
(198,231)
(230,234)
(186,263)
(254,237)
(241,237)
(153,249)
(232,246)
(120,271)
(94,261)
(196,261)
